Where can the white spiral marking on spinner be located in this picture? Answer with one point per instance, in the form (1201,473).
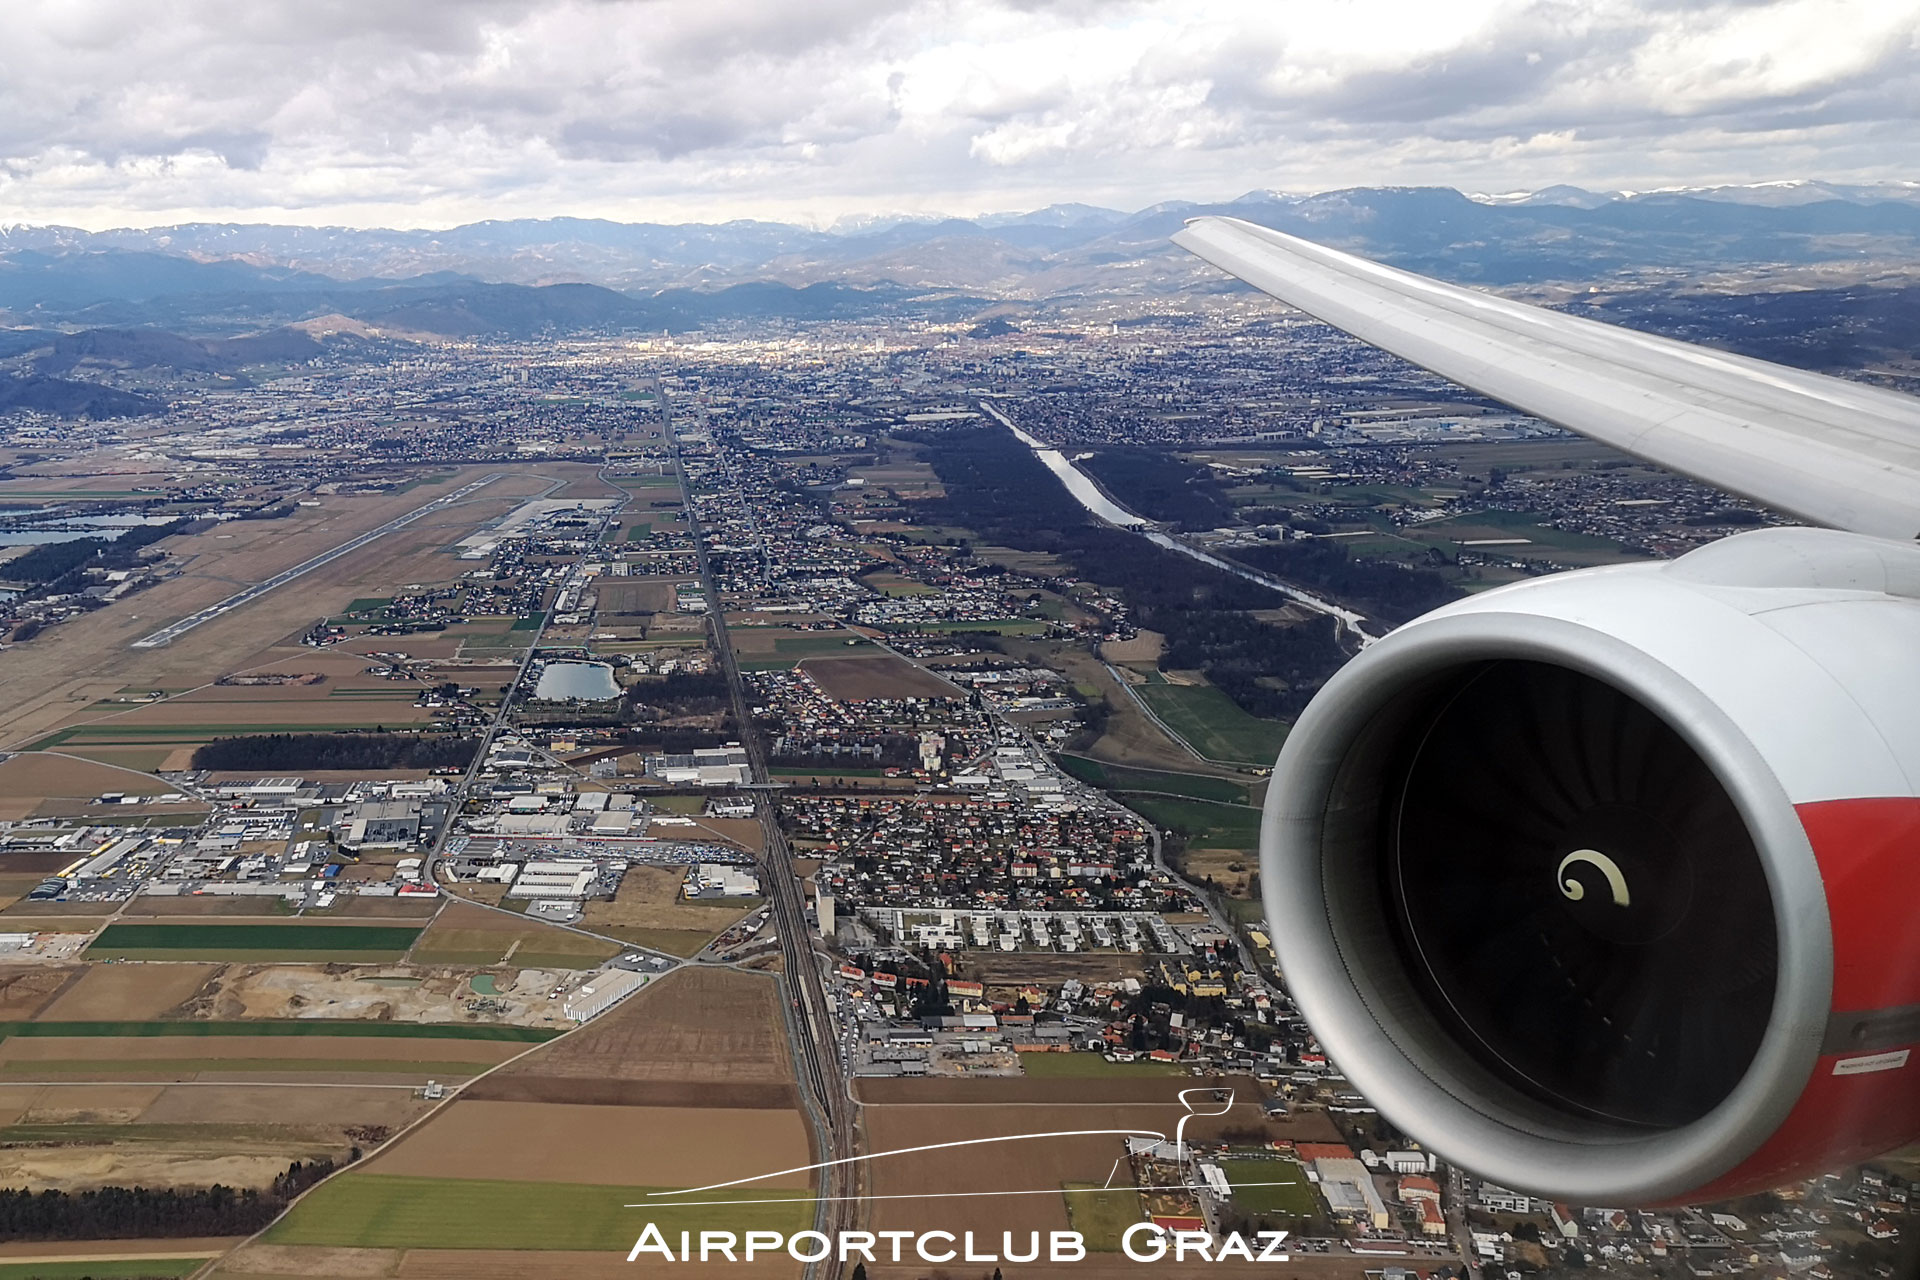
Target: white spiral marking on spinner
(1616,881)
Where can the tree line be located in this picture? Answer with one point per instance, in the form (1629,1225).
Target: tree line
(58,568)
(123,1213)
(298,752)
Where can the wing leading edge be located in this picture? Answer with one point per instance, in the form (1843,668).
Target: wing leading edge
(1823,449)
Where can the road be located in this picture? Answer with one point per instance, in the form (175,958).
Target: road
(810,1023)
(168,634)
(1088,493)
(499,722)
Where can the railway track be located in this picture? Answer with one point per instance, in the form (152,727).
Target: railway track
(810,1023)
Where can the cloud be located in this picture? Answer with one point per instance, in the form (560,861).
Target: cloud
(438,111)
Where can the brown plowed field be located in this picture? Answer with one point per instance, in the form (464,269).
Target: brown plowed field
(27,989)
(37,775)
(502,1086)
(635,595)
(213,1049)
(127,992)
(477,1264)
(998,968)
(273,1104)
(602,1146)
(311,1260)
(701,1025)
(1042,1164)
(884,675)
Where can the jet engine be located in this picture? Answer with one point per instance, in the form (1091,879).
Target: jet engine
(1606,885)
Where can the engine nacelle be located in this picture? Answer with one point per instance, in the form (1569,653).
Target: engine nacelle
(1606,886)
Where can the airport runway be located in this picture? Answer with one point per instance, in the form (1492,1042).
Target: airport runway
(168,634)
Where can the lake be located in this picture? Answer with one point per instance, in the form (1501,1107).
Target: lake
(577,682)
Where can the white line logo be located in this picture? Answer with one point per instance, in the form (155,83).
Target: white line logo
(1143,1242)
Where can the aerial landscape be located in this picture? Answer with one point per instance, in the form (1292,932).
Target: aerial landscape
(527,736)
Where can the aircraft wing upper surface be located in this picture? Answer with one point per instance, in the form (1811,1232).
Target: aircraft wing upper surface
(1823,449)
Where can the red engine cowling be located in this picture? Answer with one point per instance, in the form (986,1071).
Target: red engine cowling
(1606,886)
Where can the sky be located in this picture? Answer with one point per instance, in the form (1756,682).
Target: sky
(412,113)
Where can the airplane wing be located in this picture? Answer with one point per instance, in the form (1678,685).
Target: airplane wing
(1822,449)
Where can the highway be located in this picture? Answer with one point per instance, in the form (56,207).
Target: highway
(823,1087)
(172,632)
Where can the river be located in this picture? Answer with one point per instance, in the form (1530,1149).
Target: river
(1105,509)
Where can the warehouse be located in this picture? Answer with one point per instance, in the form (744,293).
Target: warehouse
(554,878)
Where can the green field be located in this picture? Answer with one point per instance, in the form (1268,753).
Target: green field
(370,1210)
(639,532)
(120,1269)
(1054,1066)
(1295,1199)
(281,1027)
(532,622)
(1205,825)
(1213,724)
(1102,1216)
(349,942)
(1119,777)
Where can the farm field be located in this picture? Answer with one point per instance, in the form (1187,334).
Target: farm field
(880,675)
(75,1135)
(760,640)
(290,941)
(1295,1199)
(559,1142)
(464,934)
(699,1037)
(1214,724)
(1016,968)
(29,1052)
(649,910)
(1038,1165)
(42,783)
(1205,825)
(635,595)
(1131,739)
(1114,777)
(368,1209)
(1100,1214)
(141,1268)
(25,990)
(1056,1066)
(301,1028)
(119,992)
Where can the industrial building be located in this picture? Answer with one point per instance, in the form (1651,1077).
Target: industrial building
(555,878)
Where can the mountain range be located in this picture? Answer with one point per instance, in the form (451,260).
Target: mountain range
(528,276)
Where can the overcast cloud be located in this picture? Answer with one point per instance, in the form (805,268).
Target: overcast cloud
(433,112)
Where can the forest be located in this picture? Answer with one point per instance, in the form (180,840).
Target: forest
(1382,590)
(996,487)
(58,568)
(299,752)
(124,1213)
(1159,486)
